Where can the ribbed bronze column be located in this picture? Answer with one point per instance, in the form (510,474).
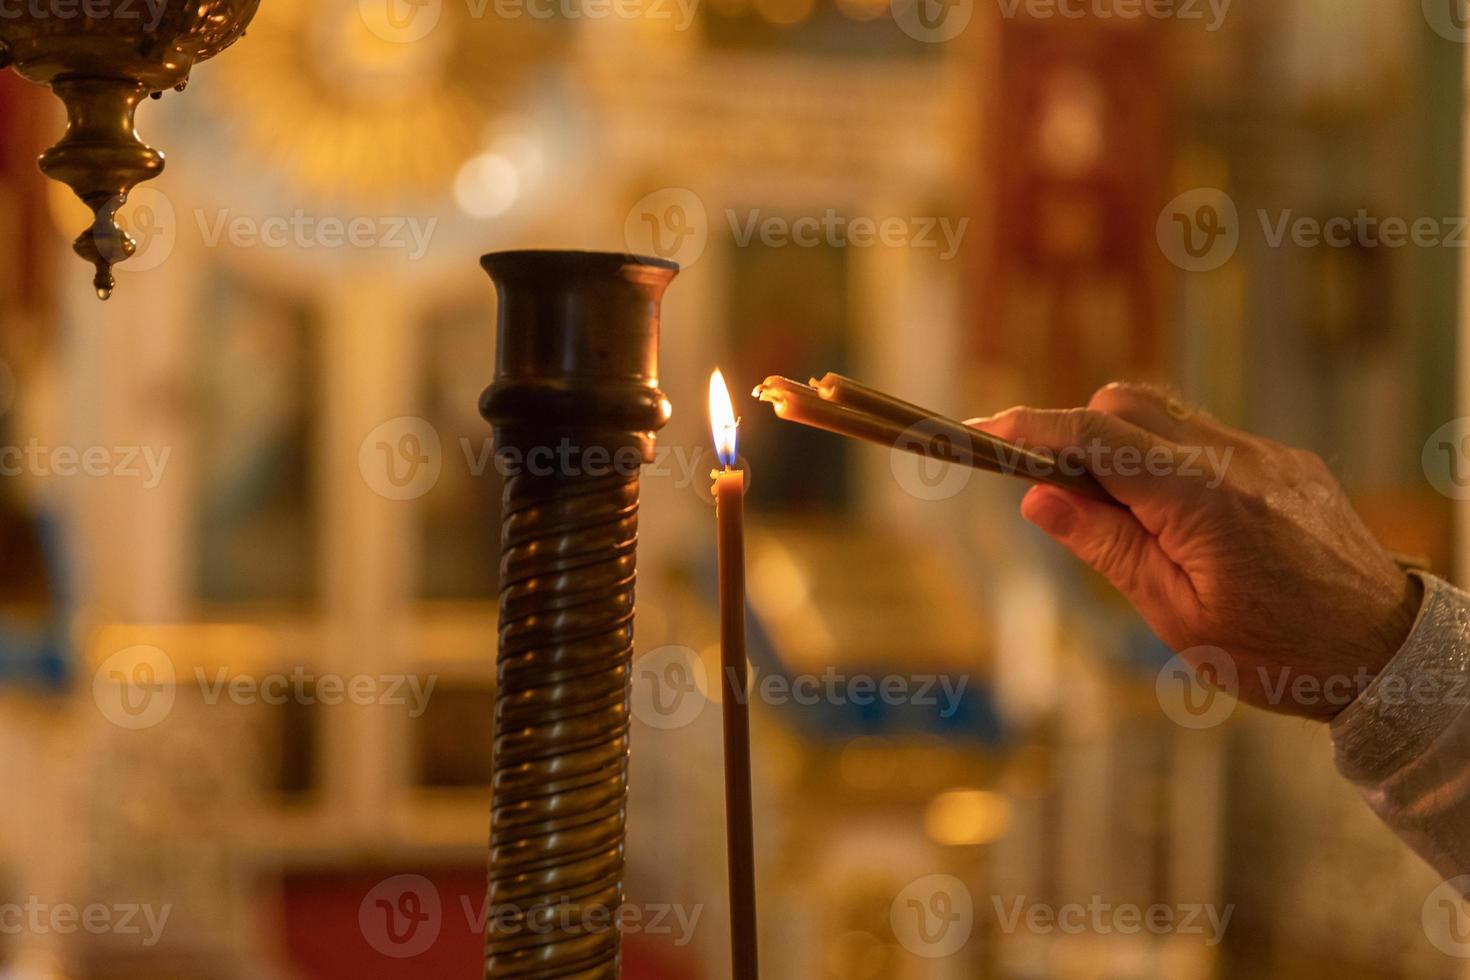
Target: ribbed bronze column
(575,405)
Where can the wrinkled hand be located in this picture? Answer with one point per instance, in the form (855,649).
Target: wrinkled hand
(1226,540)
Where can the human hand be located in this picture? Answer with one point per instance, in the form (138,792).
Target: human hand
(1225,540)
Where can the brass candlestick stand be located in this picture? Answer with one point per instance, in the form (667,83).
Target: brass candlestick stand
(575,405)
(101,59)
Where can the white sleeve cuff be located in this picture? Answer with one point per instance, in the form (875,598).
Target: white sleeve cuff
(1405,742)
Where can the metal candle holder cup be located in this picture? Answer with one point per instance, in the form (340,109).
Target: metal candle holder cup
(575,405)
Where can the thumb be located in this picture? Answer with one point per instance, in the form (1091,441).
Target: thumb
(1113,542)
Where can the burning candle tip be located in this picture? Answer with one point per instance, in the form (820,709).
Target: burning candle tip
(724,423)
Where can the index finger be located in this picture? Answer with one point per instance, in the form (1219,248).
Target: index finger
(1140,468)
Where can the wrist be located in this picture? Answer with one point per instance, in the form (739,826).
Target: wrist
(1400,622)
(1415,697)
(1397,624)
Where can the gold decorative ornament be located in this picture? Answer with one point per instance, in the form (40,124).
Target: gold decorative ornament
(353,107)
(101,58)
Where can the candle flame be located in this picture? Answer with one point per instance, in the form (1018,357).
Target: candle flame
(722,421)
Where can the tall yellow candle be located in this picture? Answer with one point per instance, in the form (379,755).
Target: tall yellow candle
(729,491)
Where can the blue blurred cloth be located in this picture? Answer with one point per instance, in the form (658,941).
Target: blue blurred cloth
(35,653)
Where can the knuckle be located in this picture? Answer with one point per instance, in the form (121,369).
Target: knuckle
(1012,423)
(1308,467)
(1112,394)
(1085,424)
(1308,460)
(1019,415)
(1122,396)
(1114,554)
(1126,393)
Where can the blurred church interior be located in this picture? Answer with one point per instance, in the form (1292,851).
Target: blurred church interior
(265,374)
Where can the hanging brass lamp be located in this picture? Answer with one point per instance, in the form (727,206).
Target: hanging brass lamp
(101,57)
